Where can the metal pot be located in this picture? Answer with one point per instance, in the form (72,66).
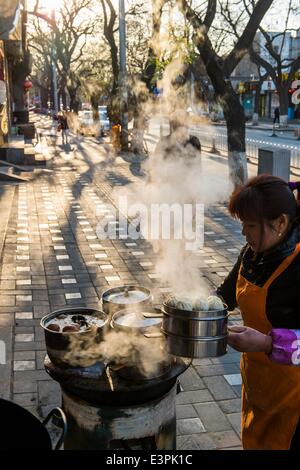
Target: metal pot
(58,343)
(137,322)
(195,334)
(146,327)
(121,297)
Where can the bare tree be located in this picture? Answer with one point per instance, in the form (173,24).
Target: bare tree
(69,35)
(153,49)
(109,29)
(268,52)
(219,68)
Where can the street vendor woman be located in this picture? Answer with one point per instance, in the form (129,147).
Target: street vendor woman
(265,285)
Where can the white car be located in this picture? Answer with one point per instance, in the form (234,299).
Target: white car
(87,126)
(104,121)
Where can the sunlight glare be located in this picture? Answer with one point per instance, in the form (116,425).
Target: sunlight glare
(50,5)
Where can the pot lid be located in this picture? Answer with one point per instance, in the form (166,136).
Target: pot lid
(126,295)
(134,320)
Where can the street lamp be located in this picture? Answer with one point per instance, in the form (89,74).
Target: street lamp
(122,76)
(53,59)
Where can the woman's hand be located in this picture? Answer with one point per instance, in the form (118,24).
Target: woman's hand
(246,339)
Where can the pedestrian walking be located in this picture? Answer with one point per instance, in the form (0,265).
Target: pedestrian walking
(264,284)
(276,115)
(63,127)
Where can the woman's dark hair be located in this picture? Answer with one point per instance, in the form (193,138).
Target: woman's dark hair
(263,199)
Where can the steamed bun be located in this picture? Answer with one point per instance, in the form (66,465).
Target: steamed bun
(182,303)
(215,303)
(200,304)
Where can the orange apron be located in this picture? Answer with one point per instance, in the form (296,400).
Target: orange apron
(270,392)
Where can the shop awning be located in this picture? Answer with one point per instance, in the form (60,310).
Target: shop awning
(10,19)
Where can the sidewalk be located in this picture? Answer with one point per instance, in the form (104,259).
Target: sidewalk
(52,258)
(267,125)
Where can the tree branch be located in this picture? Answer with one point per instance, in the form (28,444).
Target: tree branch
(247,36)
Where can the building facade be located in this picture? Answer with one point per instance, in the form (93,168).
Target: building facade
(258,96)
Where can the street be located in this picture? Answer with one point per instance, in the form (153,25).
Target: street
(52,258)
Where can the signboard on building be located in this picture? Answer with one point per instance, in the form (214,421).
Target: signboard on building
(268,85)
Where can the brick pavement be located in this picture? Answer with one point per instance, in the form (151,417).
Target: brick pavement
(52,258)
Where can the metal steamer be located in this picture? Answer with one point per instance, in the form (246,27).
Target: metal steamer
(195,334)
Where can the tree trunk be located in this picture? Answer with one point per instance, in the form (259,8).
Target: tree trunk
(138,133)
(44,97)
(74,103)
(235,121)
(234,116)
(63,97)
(20,70)
(95,103)
(284,105)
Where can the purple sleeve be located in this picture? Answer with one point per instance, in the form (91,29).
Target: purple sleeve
(286,346)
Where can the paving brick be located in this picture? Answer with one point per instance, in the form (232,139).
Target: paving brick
(185,411)
(195,442)
(26,399)
(190,426)
(190,380)
(6,332)
(230,406)
(196,396)
(40,311)
(40,357)
(40,295)
(30,346)
(24,355)
(7,301)
(219,388)
(220,369)
(225,439)
(227,358)
(235,420)
(238,390)
(212,417)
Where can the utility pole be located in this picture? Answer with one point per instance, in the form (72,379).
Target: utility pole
(54,74)
(122,77)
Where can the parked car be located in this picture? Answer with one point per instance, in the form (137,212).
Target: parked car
(87,125)
(104,120)
(197,115)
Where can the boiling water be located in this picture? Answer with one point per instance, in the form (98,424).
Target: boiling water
(135,320)
(80,321)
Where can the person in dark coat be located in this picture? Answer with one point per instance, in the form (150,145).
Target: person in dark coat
(179,143)
(264,284)
(276,115)
(63,127)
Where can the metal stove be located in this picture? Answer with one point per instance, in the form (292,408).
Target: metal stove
(107,412)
